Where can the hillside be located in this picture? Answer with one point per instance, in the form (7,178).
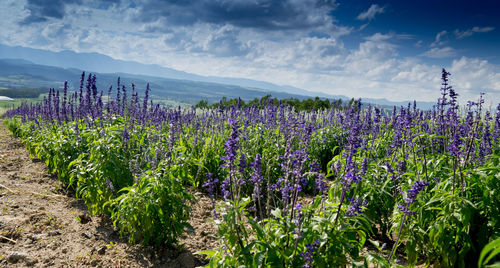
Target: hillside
(21,73)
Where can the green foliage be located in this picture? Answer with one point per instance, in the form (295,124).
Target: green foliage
(309,104)
(96,163)
(490,252)
(281,241)
(155,210)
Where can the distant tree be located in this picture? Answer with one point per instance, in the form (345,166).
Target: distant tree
(202,104)
(308,105)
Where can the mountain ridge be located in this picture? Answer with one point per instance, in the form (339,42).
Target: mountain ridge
(100,63)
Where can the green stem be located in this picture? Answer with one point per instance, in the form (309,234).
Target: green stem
(399,235)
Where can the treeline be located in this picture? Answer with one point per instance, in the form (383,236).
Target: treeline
(299,105)
(23,92)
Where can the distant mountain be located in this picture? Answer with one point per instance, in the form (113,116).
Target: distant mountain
(72,62)
(21,73)
(103,64)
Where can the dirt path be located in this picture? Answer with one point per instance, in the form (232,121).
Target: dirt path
(41,224)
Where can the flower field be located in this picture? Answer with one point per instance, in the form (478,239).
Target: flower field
(354,185)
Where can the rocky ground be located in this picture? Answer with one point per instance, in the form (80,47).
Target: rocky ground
(42,224)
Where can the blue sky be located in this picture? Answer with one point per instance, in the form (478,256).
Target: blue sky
(378,49)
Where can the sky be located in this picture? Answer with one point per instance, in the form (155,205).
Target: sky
(377,49)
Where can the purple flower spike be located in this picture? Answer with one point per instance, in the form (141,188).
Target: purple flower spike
(309,254)
(411,196)
(356,207)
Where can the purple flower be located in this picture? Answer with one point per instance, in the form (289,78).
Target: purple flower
(257,177)
(350,176)
(226,188)
(338,167)
(210,185)
(356,207)
(455,145)
(411,196)
(401,167)
(298,216)
(125,136)
(242,164)
(364,166)
(230,147)
(309,254)
(319,179)
(109,184)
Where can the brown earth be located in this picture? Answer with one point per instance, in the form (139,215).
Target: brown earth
(42,224)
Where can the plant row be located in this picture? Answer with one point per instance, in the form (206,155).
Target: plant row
(289,188)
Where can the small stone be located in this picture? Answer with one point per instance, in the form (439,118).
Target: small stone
(102,250)
(16,256)
(54,233)
(31,262)
(86,235)
(93,262)
(48,262)
(36,237)
(64,250)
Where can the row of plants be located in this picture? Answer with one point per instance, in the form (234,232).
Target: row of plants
(289,188)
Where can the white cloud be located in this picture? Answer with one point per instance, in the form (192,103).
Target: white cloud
(470,76)
(463,34)
(372,56)
(439,39)
(440,53)
(295,57)
(371,12)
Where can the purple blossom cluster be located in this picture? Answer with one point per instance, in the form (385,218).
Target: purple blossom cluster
(230,183)
(411,196)
(356,207)
(310,253)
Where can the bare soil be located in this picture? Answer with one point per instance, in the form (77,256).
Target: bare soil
(42,224)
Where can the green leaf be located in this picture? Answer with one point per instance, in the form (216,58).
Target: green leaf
(489,251)
(209,253)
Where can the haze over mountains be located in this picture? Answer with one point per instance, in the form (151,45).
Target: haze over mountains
(36,68)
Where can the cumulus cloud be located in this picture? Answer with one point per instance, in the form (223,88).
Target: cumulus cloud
(260,14)
(463,34)
(43,10)
(370,13)
(375,58)
(285,42)
(219,41)
(40,11)
(472,76)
